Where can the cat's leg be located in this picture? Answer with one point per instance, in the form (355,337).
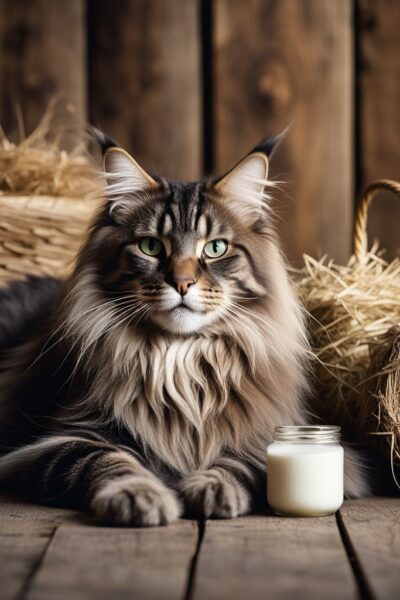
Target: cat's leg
(222,491)
(91,475)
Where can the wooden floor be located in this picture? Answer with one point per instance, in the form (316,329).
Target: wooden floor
(49,553)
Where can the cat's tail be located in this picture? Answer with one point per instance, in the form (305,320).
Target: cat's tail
(356,474)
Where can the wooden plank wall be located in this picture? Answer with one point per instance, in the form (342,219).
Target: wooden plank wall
(278,62)
(379,111)
(145,80)
(189,86)
(43,56)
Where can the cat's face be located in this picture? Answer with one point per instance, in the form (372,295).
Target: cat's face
(183,255)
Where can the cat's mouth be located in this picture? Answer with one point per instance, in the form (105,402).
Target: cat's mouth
(184,316)
(182,306)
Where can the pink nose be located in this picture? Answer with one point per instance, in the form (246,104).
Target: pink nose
(182,284)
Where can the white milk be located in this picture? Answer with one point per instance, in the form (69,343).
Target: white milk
(305,472)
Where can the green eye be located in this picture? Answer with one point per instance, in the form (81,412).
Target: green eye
(150,246)
(216,248)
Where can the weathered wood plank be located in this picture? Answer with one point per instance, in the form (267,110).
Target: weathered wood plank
(42,56)
(379,119)
(275,62)
(373,527)
(273,557)
(144,74)
(97,562)
(25,531)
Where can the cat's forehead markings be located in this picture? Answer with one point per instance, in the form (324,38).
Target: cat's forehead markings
(202,226)
(167,225)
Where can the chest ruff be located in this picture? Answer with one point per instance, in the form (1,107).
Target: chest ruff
(186,399)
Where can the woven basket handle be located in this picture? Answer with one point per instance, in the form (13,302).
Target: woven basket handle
(360,236)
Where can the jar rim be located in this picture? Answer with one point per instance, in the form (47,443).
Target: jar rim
(321,434)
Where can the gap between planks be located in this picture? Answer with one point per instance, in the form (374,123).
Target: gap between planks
(35,568)
(371,529)
(356,566)
(201,528)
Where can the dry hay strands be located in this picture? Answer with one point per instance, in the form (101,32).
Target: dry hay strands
(38,165)
(350,308)
(382,393)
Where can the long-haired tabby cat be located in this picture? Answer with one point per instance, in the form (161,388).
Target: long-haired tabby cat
(151,381)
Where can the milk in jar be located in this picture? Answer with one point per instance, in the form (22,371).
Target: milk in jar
(305,471)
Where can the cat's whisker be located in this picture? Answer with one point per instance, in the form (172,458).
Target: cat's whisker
(242,314)
(92,341)
(253,314)
(111,315)
(268,326)
(68,324)
(78,339)
(145,311)
(248,325)
(243,298)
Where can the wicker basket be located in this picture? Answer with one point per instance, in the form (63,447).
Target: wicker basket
(360,234)
(41,235)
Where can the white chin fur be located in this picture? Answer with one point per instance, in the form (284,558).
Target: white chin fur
(182,320)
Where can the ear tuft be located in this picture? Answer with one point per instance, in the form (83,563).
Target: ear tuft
(244,187)
(126,179)
(101,138)
(124,174)
(269,144)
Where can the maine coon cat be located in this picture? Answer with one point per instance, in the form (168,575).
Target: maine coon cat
(151,381)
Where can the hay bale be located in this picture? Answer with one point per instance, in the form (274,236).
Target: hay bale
(351,308)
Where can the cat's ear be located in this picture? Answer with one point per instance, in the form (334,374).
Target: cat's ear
(127,183)
(124,175)
(245,187)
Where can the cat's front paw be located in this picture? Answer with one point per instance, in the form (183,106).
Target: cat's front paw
(214,494)
(137,501)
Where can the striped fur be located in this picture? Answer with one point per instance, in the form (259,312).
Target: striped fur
(91,475)
(132,397)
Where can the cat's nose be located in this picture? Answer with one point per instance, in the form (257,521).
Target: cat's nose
(182,284)
(183,271)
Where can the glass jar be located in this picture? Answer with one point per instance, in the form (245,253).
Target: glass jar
(305,471)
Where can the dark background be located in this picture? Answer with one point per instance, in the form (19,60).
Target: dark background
(189,86)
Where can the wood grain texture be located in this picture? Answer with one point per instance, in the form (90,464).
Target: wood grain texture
(103,563)
(278,62)
(144,72)
(25,532)
(42,57)
(272,557)
(373,526)
(379,118)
